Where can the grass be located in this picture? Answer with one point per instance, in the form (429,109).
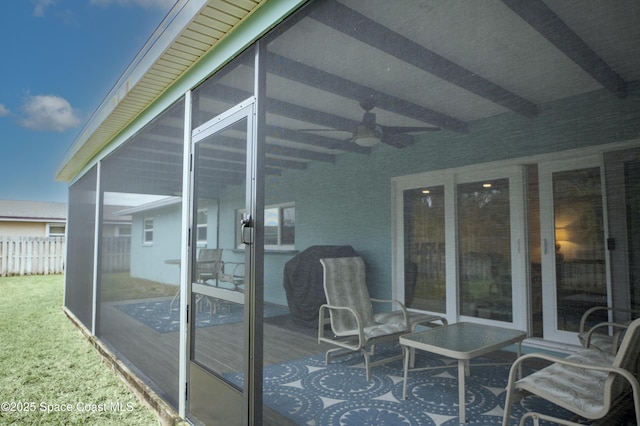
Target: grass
(47,366)
(121,286)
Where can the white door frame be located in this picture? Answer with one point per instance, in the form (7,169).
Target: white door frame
(519,240)
(551,330)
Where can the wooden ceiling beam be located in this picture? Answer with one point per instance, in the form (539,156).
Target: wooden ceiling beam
(328,82)
(290,110)
(359,27)
(539,16)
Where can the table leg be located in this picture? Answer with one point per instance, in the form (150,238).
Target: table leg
(461,387)
(175,298)
(406,371)
(518,354)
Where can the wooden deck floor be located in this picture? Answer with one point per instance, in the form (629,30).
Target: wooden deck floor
(155,356)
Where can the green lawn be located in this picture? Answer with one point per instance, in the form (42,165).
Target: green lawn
(49,374)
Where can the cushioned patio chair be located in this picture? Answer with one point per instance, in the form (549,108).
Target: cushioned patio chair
(208,265)
(604,336)
(350,313)
(589,383)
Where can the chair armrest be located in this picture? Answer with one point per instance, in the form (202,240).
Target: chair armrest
(321,322)
(400,305)
(587,339)
(236,277)
(234,271)
(587,313)
(392,301)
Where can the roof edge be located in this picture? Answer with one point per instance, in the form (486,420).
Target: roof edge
(169,29)
(93,138)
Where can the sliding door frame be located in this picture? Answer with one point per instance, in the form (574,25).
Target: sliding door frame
(518,227)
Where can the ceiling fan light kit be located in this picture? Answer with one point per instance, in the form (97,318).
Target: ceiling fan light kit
(367,142)
(366,135)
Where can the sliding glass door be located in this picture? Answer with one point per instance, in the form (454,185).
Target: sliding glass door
(461,236)
(574,261)
(425,269)
(484,249)
(623,189)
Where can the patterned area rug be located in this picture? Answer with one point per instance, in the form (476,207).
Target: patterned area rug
(308,392)
(157,315)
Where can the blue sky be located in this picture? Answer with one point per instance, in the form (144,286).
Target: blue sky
(59,60)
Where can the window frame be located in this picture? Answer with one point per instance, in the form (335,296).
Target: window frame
(120,228)
(270,247)
(147,231)
(56,225)
(450,179)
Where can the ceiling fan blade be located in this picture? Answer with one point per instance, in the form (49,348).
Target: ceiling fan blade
(321,130)
(398,140)
(403,129)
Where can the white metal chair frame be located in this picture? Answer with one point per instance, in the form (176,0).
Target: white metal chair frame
(211,267)
(605,336)
(608,379)
(361,332)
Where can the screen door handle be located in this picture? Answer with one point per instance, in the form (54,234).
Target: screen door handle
(246,223)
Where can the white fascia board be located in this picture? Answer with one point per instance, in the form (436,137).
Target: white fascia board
(176,20)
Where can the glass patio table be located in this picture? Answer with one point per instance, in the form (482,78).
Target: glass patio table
(462,341)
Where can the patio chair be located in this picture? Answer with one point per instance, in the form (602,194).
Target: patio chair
(233,273)
(351,315)
(604,336)
(208,264)
(208,267)
(589,383)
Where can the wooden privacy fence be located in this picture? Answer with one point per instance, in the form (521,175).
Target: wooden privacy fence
(31,255)
(116,254)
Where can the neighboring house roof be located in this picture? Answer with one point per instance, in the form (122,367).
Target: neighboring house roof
(111,215)
(190,30)
(32,211)
(161,202)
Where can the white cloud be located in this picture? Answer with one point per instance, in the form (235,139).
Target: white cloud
(49,112)
(40,7)
(4,110)
(161,4)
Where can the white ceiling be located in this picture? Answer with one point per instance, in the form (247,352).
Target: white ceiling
(484,37)
(426,62)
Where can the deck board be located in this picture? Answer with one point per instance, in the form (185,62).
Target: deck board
(156,355)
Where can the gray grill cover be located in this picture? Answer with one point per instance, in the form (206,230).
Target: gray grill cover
(303,281)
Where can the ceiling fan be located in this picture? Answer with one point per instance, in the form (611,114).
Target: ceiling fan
(369,133)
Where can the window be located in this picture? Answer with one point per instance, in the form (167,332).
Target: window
(55,230)
(123,231)
(147,238)
(201,227)
(288,228)
(279,227)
